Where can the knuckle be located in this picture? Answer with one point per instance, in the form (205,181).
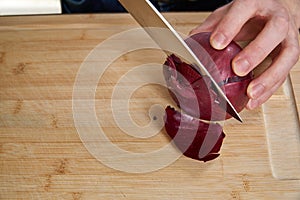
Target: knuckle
(282,19)
(260,50)
(295,53)
(277,84)
(278,75)
(275,79)
(281,24)
(245,4)
(255,58)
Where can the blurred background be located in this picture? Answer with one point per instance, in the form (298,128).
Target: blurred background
(92,6)
(32,7)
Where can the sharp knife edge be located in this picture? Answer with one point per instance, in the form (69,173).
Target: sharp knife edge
(131,8)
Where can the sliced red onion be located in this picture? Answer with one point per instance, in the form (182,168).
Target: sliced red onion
(190,143)
(195,95)
(177,73)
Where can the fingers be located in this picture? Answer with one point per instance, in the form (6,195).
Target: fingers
(231,23)
(273,31)
(262,88)
(254,103)
(262,45)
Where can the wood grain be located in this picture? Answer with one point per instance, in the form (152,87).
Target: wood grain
(42,155)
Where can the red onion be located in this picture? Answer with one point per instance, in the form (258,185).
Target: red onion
(194,94)
(177,73)
(193,132)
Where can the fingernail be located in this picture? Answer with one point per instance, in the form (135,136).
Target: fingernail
(218,41)
(256,91)
(241,67)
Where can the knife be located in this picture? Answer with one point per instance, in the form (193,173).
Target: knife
(145,13)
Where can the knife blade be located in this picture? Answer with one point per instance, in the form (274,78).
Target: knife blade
(145,13)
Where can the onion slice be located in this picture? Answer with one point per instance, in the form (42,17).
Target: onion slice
(190,143)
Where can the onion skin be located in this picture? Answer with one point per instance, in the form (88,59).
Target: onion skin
(194,94)
(190,142)
(234,87)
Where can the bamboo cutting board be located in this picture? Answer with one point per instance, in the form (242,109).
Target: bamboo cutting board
(43,148)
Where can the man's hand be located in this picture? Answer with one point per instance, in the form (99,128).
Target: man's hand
(272,26)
